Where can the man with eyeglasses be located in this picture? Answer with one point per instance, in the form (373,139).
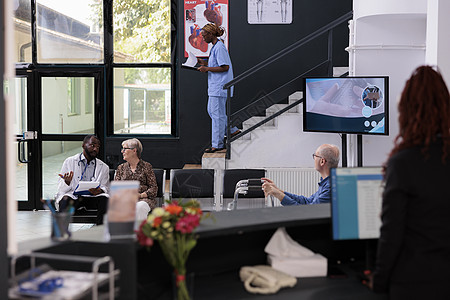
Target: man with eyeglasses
(325,158)
(84,166)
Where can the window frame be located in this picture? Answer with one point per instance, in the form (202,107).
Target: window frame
(109,65)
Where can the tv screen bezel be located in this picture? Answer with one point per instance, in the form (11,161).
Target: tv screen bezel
(385,103)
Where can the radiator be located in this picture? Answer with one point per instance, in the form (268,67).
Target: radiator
(300,181)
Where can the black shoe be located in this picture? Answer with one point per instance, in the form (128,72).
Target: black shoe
(212,150)
(236,133)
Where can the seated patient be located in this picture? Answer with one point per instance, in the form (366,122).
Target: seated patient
(325,158)
(84,167)
(136,169)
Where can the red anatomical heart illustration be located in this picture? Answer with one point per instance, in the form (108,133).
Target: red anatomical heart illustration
(212,13)
(196,39)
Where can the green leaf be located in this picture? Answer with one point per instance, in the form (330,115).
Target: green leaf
(190,244)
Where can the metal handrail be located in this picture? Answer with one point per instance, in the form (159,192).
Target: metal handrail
(283,86)
(327,28)
(289,49)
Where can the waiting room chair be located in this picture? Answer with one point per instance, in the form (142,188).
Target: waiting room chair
(195,184)
(253,199)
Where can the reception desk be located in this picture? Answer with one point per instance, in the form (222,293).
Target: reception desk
(234,239)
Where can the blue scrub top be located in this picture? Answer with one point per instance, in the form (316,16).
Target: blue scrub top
(219,56)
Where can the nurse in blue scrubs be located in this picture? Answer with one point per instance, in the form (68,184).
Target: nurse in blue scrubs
(220,71)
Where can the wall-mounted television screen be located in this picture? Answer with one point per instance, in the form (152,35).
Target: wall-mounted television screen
(356,105)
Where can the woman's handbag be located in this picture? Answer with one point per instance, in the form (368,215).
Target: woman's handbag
(263,279)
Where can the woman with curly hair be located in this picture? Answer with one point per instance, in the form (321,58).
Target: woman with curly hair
(413,258)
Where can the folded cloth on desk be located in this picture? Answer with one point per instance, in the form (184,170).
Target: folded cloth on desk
(265,279)
(286,255)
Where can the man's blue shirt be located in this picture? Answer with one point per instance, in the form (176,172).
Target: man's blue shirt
(323,195)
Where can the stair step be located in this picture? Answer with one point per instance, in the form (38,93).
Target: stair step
(338,71)
(277,107)
(255,120)
(295,97)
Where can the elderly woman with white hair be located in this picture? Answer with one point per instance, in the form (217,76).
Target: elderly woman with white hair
(136,169)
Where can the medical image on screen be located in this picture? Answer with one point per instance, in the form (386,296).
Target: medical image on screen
(347,105)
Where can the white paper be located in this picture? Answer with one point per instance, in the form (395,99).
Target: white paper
(311,266)
(86,185)
(191,61)
(282,245)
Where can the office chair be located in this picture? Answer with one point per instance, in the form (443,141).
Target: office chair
(253,198)
(195,184)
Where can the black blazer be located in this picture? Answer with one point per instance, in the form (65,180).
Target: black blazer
(414,244)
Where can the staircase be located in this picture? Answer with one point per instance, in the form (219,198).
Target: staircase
(279,143)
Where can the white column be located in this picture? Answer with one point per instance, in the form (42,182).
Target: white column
(438,41)
(389,39)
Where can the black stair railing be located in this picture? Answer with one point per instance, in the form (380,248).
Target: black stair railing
(274,96)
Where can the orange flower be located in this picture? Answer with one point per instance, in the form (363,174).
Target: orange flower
(173,209)
(157,221)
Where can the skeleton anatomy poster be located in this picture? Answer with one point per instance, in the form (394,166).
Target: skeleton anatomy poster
(269,11)
(197,14)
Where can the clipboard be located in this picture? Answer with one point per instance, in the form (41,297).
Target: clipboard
(191,62)
(83,187)
(189,68)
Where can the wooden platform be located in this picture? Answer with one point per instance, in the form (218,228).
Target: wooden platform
(218,154)
(192,166)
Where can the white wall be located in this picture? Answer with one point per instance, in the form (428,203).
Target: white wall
(389,39)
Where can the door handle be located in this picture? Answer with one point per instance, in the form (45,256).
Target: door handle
(21,152)
(27,135)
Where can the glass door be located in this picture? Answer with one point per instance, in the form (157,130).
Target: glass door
(54,111)
(68,114)
(26,140)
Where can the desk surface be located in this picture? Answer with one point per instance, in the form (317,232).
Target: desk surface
(226,223)
(228,286)
(246,220)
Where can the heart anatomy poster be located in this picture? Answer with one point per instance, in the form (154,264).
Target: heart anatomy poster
(269,11)
(197,14)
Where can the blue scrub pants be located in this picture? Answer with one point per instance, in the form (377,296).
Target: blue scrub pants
(217,112)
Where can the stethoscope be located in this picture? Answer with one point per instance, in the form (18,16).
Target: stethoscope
(85,167)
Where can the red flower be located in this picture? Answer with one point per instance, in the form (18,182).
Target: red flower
(142,238)
(187,223)
(157,221)
(174,209)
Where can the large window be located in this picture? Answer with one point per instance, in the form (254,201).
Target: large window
(142,31)
(69,31)
(142,100)
(63,101)
(142,70)
(22,31)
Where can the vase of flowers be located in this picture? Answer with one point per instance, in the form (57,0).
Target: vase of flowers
(173,227)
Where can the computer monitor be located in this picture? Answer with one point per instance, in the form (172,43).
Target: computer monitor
(355,105)
(356,195)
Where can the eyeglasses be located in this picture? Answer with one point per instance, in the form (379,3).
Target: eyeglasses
(314,156)
(126,148)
